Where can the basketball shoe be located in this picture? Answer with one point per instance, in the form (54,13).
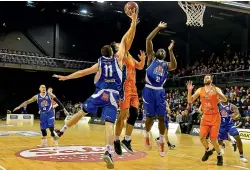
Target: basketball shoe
(107,157)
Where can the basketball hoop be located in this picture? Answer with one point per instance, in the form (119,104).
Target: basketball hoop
(194,13)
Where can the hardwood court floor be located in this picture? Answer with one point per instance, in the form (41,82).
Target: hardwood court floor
(186,156)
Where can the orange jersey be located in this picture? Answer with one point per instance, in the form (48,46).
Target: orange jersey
(130,81)
(209,101)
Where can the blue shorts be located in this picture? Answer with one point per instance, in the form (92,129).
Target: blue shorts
(154,102)
(105,99)
(47,120)
(224,130)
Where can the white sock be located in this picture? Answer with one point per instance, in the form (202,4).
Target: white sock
(108,148)
(161,138)
(232,140)
(127,138)
(117,138)
(64,128)
(147,134)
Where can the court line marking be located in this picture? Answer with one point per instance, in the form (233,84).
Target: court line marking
(2,168)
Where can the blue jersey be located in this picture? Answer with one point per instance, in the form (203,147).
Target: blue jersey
(225,112)
(109,75)
(44,103)
(156,73)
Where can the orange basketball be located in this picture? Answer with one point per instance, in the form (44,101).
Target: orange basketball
(129,6)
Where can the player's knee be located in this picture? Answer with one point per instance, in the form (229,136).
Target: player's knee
(124,113)
(133,116)
(52,131)
(161,119)
(44,132)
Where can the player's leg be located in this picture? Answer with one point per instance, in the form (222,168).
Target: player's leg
(51,126)
(109,115)
(214,132)
(235,133)
(43,127)
(123,115)
(223,135)
(133,114)
(233,141)
(204,131)
(149,108)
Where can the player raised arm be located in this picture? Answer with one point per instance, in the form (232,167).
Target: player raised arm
(149,43)
(128,38)
(236,114)
(52,96)
(140,65)
(191,98)
(173,63)
(78,74)
(27,102)
(222,97)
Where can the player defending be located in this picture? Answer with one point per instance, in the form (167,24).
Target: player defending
(153,93)
(229,113)
(44,101)
(108,81)
(210,122)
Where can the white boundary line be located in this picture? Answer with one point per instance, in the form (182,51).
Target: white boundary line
(2,168)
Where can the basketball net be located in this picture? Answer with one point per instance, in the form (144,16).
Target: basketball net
(194,13)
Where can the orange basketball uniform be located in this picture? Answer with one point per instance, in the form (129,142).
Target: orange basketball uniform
(210,122)
(130,90)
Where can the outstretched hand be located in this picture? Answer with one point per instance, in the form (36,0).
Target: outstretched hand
(162,25)
(133,14)
(142,55)
(60,78)
(17,108)
(190,85)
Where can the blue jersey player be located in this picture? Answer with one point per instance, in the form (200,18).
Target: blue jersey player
(153,93)
(108,82)
(47,115)
(229,113)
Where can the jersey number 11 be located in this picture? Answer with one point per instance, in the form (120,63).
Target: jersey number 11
(108,71)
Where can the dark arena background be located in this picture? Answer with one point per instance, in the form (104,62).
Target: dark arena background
(40,39)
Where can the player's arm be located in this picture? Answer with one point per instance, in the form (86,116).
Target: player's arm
(128,38)
(149,43)
(191,98)
(140,65)
(27,102)
(55,105)
(52,96)
(172,65)
(222,97)
(236,112)
(80,73)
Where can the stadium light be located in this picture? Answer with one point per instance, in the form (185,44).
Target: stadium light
(100,1)
(29,2)
(84,11)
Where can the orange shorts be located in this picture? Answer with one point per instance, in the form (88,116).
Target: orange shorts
(130,98)
(210,124)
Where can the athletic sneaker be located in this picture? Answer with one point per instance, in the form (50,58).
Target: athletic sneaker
(219,160)
(147,143)
(107,157)
(206,155)
(243,159)
(127,146)
(161,149)
(170,146)
(117,146)
(57,133)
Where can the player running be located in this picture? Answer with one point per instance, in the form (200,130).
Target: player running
(153,93)
(229,113)
(210,122)
(47,115)
(108,82)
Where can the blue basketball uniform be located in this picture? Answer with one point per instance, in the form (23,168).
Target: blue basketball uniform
(108,82)
(227,123)
(153,93)
(47,115)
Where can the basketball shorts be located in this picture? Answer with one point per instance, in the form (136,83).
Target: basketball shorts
(224,130)
(107,100)
(47,120)
(154,102)
(210,124)
(130,98)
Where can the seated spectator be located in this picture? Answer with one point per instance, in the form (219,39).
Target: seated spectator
(186,123)
(246,123)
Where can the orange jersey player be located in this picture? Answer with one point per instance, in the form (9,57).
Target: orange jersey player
(210,122)
(129,102)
